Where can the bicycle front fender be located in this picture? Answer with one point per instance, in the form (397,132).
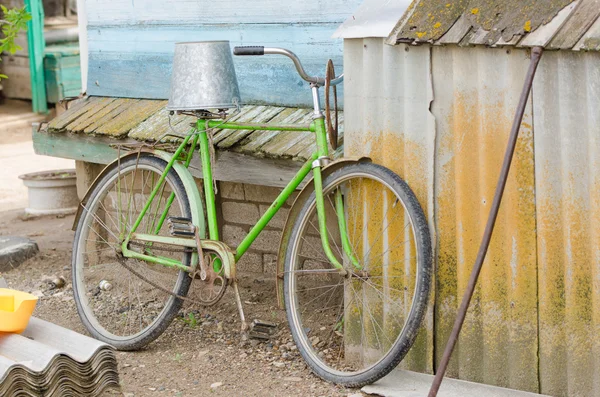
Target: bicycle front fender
(302,197)
(186,177)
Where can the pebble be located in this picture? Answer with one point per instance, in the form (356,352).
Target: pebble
(355,395)
(278,364)
(216,384)
(152,388)
(292,379)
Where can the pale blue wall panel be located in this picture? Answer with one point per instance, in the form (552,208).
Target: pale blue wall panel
(135,60)
(195,12)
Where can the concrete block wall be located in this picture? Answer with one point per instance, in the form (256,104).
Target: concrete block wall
(241,206)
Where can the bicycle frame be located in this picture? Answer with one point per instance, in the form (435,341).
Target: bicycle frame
(199,138)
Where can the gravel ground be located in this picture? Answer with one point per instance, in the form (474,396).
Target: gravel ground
(200,354)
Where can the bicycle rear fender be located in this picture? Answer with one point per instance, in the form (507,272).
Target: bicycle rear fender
(302,197)
(186,177)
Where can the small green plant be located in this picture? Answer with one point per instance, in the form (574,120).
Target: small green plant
(14,21)
(191,320)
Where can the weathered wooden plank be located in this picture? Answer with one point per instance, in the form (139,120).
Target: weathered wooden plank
(229,167)
(245,114)
(158,124)
(135,61)
(542,35)
(591,39)
(460,28)
(278,146)
(260,138)
(248,114)
(118,12)
(101,108)
(267,115)
(74,146)
(115,108)
(132,115)
(580,21)
(73,113)
(310,143)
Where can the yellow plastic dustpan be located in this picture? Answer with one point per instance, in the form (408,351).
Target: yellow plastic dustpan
(15,309)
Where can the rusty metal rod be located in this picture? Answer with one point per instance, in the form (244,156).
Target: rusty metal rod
(536,54)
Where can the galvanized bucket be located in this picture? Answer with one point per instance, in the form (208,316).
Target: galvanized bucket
(203,77)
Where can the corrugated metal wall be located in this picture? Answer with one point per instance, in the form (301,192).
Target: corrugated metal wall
(476,93)
(566,97)
(384,84)
(440,117)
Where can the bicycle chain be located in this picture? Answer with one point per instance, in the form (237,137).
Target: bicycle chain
(123,262)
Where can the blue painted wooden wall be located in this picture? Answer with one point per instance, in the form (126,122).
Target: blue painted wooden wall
(131,43)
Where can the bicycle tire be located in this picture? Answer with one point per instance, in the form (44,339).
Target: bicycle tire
(301,329)
(86,294)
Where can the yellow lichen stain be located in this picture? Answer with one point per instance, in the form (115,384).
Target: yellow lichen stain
(408,159)
(437,25)
(421,34)
(499,335)
(569,280)
(448,5)
(527,26)
(475,11)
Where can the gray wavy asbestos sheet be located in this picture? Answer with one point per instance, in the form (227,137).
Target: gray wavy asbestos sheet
(49,360)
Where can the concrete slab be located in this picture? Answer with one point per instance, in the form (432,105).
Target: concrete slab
(401,383)
(15,250)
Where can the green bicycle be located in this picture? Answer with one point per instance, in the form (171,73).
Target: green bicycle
(357,270)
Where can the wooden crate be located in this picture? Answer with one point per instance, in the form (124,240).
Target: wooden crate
(62,71)
(18,84)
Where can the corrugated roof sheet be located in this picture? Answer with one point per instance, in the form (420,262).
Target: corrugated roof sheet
(374,18)
(146,120)
(552,24)
(50,360)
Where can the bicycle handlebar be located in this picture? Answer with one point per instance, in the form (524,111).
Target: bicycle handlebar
(260,50)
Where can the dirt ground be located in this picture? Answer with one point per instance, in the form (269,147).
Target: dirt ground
(205,358)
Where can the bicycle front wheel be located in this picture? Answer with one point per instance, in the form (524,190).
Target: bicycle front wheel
(354,328)
(115,305)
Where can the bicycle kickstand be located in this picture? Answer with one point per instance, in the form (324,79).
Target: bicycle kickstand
(238,301)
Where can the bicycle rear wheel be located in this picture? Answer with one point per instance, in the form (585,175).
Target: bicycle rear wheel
(353,329)
(115,305)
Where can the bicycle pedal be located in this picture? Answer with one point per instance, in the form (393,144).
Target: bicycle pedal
(182,227)
(262,330)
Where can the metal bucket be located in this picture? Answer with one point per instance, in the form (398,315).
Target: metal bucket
(203,77)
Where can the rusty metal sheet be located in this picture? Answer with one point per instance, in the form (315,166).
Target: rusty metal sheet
(387,96)
(476,94)
(566,95)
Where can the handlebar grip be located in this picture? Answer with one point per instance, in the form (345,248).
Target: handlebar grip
(249,50)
